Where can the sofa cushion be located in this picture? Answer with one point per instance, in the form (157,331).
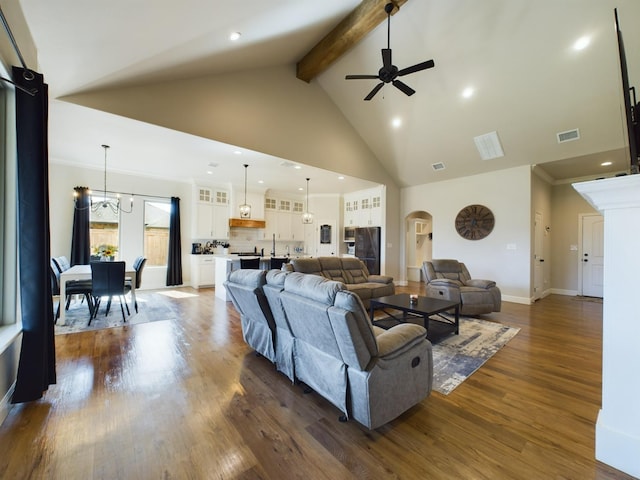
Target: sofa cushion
(313,287)
(355,270)
(248,278)
(306,265)
(276,277)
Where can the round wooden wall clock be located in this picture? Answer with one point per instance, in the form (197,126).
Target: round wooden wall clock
(474,222)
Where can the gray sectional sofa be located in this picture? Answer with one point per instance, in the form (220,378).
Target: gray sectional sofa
(321,335)
(352,272)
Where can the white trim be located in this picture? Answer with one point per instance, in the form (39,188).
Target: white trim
(560,291)
(5,403)
(8,334)
(513,299)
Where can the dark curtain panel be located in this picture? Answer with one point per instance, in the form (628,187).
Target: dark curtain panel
(37,366)
(174,262)
(80,244)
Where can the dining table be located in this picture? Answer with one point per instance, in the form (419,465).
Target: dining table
(83,272)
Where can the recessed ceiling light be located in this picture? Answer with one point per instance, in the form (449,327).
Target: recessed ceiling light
(301,189)
(340,177)
(209,172)
(467,92)
(396,122)
(581,43)
(297,167)
(235,36)
(237,152)
(260,181)
(606,164)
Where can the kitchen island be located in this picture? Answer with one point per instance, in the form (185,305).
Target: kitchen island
(225,264)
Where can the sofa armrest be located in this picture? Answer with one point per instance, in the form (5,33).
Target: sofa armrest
(475,282)
(399,339)
(446,282)
(380,279)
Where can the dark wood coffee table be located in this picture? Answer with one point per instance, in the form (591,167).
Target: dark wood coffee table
(424,307)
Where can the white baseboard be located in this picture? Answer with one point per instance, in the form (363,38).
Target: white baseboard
(521,300)
(400,283)
(5,404)
(617,448)
(560,291)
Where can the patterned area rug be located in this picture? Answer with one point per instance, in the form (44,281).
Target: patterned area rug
(456,357)
(152,307)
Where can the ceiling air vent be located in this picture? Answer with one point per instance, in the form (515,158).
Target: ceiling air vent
(489,146)
(437,166)
(568,136)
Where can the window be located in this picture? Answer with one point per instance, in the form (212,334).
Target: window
(8,212)
(156,232)
(104,228)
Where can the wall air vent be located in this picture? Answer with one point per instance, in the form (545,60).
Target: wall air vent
(437,166)
(489,146)
(568,136)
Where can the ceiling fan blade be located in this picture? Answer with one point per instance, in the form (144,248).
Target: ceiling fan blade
(374,91)
(386,58)
(360,77)
(416,68)
(404,87)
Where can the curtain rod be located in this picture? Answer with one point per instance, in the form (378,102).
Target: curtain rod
(27,74)
(15,47)
(134,194)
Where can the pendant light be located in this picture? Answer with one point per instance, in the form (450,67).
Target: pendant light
(245,208)
(307,216)
(106,204)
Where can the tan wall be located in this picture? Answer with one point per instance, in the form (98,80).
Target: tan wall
(541,203)
(567,205)
(266,110)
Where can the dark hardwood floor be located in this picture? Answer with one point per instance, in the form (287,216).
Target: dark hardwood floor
(188,399)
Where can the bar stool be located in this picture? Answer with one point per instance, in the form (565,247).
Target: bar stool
(252,263)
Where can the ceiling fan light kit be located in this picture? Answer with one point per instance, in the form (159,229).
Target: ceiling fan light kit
(389,73)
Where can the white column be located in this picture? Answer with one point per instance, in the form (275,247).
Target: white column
(618,424)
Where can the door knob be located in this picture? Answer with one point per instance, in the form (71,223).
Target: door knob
(585,260)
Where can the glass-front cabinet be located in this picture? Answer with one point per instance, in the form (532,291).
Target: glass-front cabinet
(212,213)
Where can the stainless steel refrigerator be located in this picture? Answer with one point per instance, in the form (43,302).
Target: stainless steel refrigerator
(368,248)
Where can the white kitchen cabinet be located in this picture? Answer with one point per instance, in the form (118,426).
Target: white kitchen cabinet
(364,208)
(212,213)
(283,219)
(203,271)
(351,210)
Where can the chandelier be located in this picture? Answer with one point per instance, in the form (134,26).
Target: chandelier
(307,216)
(106,203)
(245,208)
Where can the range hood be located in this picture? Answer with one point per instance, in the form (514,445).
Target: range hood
(246,223)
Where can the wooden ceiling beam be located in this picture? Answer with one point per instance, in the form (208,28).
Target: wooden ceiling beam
(364,18)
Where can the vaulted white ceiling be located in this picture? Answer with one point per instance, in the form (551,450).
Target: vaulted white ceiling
(518,56)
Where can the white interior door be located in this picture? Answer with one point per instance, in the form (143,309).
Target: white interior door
(592,255)
(538,258)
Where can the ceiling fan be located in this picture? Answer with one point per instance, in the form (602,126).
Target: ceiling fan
(389,72)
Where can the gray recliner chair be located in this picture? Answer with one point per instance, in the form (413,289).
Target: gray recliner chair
(245,287)
(370,374)
(450,280)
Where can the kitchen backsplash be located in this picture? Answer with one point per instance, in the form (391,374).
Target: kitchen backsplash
(248,239)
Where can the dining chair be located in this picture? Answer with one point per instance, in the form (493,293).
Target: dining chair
(108,281)
(138,266)
(72,288)
(253,263)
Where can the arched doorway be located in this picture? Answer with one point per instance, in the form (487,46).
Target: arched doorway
(419,235)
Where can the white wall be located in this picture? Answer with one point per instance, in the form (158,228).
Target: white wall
(503,256)
(62,180)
